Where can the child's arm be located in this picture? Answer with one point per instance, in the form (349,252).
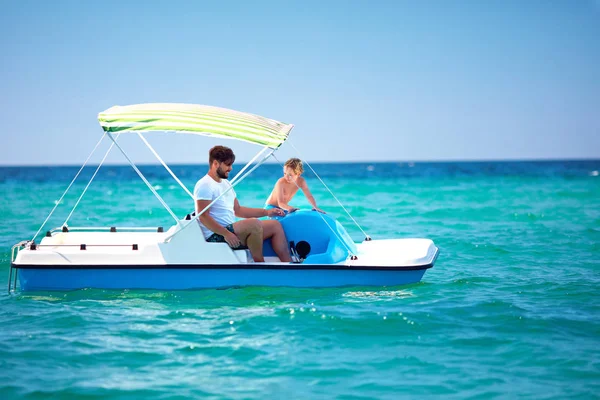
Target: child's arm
(304,186)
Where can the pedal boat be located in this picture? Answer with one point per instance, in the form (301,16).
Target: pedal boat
(179,257)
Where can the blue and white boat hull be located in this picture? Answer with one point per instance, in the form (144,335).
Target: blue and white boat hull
(181,259)
(200,277)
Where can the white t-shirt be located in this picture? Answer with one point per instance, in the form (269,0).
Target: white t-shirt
(222,210)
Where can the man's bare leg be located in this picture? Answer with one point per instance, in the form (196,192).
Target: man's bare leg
(250,232)
(273,229)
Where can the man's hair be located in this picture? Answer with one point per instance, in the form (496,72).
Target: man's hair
(221,154)
(295,164)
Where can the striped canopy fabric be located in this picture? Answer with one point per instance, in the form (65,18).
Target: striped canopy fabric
(195,119)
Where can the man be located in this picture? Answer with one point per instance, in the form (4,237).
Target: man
(218,222)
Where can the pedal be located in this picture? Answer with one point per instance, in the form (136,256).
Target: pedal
(294,254)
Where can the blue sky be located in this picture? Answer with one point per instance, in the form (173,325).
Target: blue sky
(361,81)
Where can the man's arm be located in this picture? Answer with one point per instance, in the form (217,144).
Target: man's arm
(248,212)
(209,221)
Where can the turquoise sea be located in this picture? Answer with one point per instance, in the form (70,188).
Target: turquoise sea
(510,310)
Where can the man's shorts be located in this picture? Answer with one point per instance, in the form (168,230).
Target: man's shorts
(216,238)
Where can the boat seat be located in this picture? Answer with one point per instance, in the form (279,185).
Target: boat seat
(191,215)
(243,255)
(328,241)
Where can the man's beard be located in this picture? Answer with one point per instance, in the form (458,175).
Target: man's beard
(221,174)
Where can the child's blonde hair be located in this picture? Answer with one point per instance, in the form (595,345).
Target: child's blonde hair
(295,164)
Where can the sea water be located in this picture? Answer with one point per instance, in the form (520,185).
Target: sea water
(510,309)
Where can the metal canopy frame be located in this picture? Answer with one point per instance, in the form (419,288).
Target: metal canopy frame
(113,138)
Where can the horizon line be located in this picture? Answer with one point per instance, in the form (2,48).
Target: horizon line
(550,159)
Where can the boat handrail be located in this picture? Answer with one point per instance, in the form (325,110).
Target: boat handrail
(84,246)
(112,229)
(17,247)
(13,256)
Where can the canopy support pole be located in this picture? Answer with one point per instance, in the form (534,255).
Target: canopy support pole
(248,164)
(69,187)
(165,205)
(90,182)
(165,165)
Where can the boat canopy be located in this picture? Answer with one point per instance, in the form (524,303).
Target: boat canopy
(195,119)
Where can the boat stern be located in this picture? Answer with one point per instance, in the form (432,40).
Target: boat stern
(409,253)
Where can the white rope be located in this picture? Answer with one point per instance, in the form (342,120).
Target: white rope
(90,182)
(165,205)
(165,165)
(69,187)
(222,194)
(326,187)
(323,218)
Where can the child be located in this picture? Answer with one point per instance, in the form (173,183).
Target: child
(286,187)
